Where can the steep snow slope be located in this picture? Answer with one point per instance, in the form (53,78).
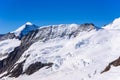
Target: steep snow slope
(25,29)
(81,58)
(7,46)
(77,53)
(114,25)
(45,34)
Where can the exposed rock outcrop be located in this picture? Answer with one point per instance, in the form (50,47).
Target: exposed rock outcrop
(7,36)
(114,63)
(17,70)
(36,66)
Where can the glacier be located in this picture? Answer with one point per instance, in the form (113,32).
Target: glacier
(78,52)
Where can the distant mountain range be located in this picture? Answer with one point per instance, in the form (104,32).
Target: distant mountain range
(61,52)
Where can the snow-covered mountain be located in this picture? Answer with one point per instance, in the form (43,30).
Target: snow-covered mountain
(24,29)
(114,25)
(62,52)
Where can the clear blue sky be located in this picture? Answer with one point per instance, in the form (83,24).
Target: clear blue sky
(14,13)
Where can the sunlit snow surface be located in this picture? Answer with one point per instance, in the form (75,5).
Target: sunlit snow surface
(114,25)
(81,58)
(7,46)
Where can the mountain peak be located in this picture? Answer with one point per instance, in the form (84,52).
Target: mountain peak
(28,23)
(114,25)
(116,21)
(25,29)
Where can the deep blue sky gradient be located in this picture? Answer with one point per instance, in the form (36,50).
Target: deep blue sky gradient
(14,13)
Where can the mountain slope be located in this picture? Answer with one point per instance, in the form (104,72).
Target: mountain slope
(83,57)
(43,34)
(114,25)
(65,52)
(8,46)
(7,36)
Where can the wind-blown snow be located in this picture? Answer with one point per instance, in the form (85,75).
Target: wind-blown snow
(8,46)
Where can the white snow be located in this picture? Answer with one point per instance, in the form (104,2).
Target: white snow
(95,51)
(114,25)
(8,46)
(81,58)
(29,23)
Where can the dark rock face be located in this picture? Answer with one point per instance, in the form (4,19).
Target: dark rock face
(7,36)
(17,71)
(36,66)
(13,57)
(87,27)
(114,63)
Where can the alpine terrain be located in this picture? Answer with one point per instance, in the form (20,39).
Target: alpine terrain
(61,52)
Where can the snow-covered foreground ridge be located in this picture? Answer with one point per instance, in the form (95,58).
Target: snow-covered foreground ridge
(64,52)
